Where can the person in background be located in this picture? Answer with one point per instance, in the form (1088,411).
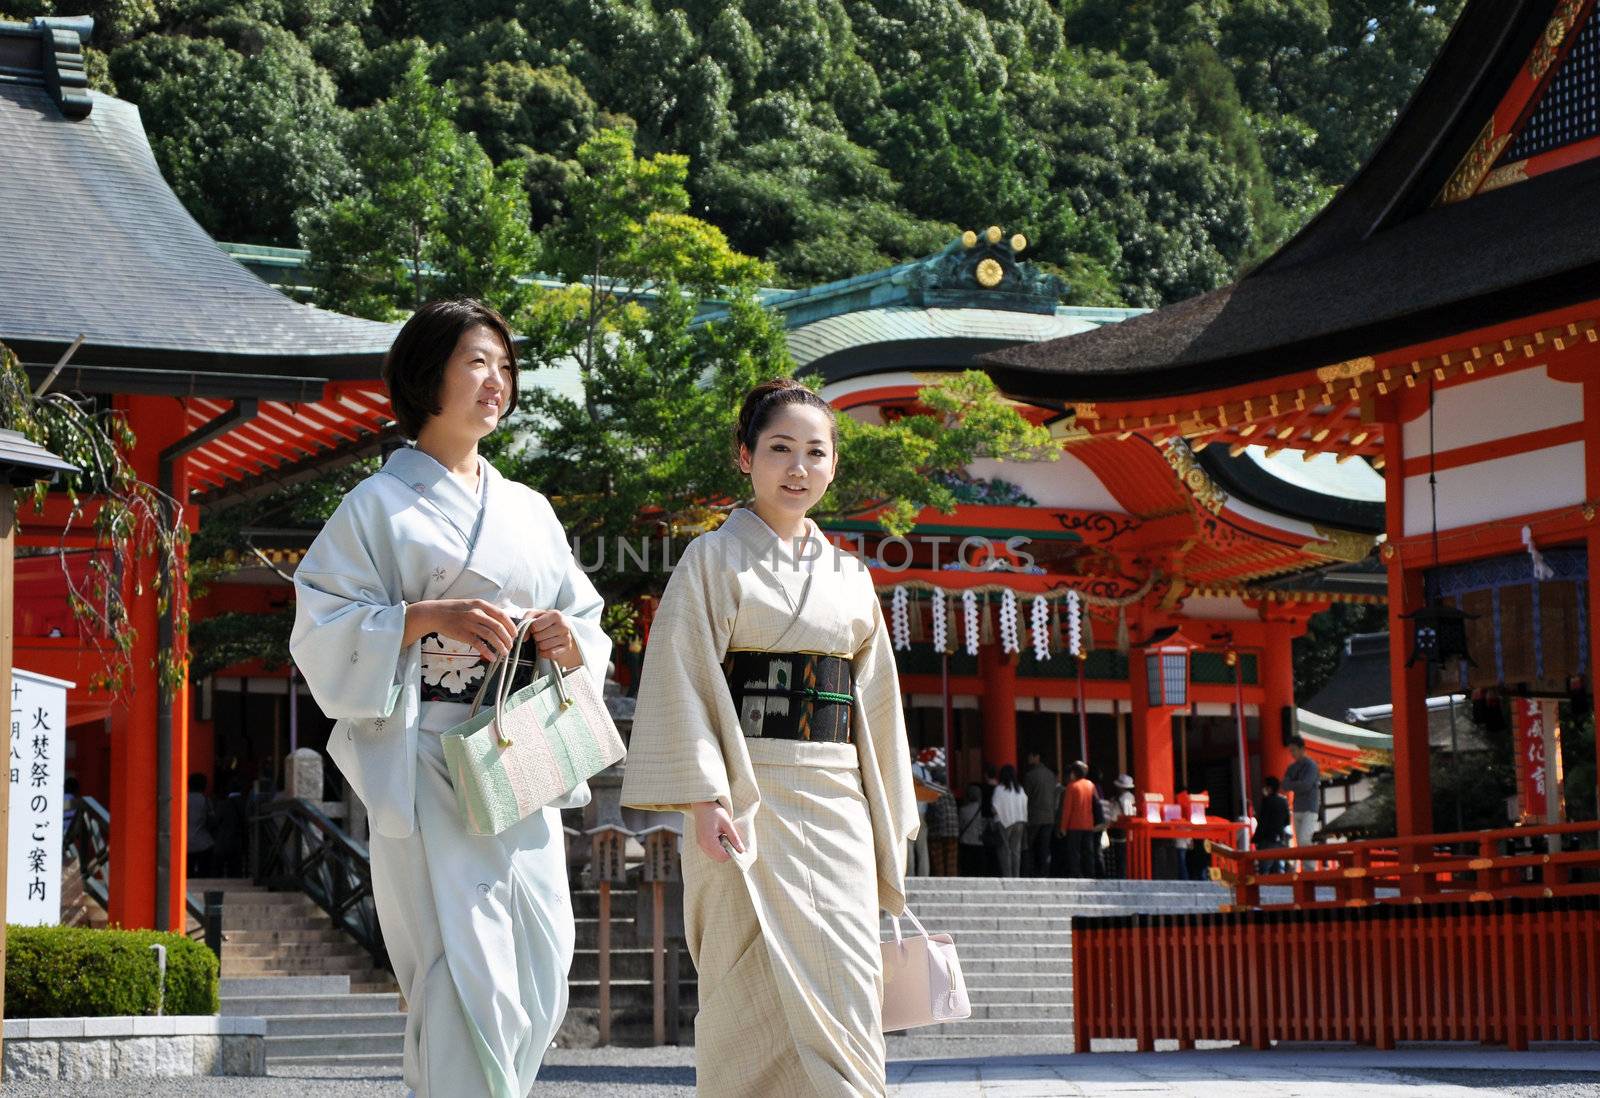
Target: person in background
(1304,783)
(200,825)
(971,834)
(1040,783)
(1272,823)
(944,826)
(917,849)
(1011,808)
(1123,809)
(1077,822)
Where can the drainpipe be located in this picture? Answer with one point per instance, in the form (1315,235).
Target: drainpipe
(244,409)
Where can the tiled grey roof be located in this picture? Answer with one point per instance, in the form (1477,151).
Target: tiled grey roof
(92,240)
(811,342)
(22,460)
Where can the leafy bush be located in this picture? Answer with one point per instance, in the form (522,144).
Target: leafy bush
(71,972)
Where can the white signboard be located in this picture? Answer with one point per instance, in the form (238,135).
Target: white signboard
(38,767)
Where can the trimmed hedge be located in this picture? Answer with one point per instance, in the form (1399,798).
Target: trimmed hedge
(72,972)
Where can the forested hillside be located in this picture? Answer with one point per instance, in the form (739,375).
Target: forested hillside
(1150,148)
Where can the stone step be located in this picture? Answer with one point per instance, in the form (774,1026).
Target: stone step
(1044,969)
(327,1025)
(626,964)
(1060,1014)
(342,1044)
(387,1062)
(999,1027)
(1010,950)
(338,1005)
(627,994)
(292,949)
(991,984)
(1012,996)
(237,986)
(356,967)
(284,934)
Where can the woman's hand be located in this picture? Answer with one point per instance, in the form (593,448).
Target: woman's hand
(711,825)
(553,636)
(481,624)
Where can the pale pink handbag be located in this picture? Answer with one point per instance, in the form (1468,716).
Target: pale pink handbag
(922,983)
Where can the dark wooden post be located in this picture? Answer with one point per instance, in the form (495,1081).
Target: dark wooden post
(660,869)
(608,864)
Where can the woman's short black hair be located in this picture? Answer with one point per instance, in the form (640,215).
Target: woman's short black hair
(414,366)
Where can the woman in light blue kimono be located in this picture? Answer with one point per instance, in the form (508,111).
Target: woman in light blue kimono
(414,585)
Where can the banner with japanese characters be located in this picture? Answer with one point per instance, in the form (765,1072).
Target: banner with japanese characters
(38,768)
(1536,738)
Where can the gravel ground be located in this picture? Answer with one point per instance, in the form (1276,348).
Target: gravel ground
(669,1073)
(1523,1084)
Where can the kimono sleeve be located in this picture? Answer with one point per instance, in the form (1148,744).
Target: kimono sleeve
(885,754)
(349,618)
(580,603)
(675,757)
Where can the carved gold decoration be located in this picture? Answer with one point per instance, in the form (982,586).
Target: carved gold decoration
(1588,512)
(1349,368)
(1555,32)
(1019,243)
(1475,165)
(993,234)
(969,239)
(1504,176)
(1085,410)
(1347,545)
(989,273)
(1387,552)
(1192,477)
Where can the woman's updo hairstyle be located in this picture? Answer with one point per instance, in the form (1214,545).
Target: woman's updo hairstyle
(763,402)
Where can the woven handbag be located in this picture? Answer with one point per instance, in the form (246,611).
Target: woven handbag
(534,747)
(922,981)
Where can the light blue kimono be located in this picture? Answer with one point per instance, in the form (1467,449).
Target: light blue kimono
(479,929)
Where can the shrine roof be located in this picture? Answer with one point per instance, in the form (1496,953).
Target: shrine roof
(1385,265)
(96,243)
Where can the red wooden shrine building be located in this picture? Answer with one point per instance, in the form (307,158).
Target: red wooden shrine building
(1438,320)
(228,385)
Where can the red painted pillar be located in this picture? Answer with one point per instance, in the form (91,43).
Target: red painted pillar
(1591,473)
(1408,686)
(1413,796)
(1277,686)
(157,422)
(999,673)
(1153,769)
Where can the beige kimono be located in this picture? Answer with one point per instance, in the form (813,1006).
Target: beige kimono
(785,940)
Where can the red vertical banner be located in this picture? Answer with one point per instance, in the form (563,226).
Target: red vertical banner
(1536,738)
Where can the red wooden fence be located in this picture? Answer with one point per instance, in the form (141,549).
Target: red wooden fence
(1502,972)
(1474,865)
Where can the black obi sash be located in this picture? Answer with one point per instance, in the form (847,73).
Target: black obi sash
(791,695)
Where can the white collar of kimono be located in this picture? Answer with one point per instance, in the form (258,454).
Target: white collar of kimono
(753,530)
(433,482)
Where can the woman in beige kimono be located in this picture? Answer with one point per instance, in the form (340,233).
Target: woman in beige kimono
(769,714)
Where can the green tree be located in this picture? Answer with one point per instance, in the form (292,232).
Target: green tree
(242,120)
(427,214)
(662,370)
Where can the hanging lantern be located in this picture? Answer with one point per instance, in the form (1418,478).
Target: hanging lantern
(1166,663)
(1438,634)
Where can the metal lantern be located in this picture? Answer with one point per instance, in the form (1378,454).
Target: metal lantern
(1167,672)
(1438,634)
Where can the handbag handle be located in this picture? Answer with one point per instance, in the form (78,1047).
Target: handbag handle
(506,667)
(916,922)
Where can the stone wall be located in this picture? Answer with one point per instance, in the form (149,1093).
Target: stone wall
(81,1049)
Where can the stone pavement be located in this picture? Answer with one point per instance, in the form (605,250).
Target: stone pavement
(1464,1071)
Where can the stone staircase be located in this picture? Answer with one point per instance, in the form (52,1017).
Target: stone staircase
(324,1000)
(1014,940)
(319,1020)
(632,1014)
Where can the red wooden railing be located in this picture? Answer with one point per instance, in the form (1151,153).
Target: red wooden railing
(1419,869)
(1506,972)
(1142,835)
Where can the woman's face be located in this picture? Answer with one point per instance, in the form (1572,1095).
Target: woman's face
(794,459)
(476,384)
